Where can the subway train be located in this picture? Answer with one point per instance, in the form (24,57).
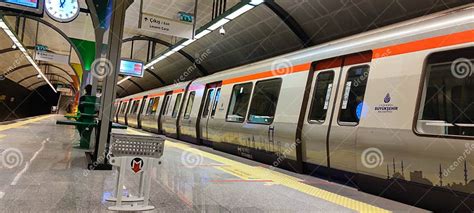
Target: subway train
(389,111)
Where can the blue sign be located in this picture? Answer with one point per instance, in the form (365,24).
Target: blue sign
(131,68)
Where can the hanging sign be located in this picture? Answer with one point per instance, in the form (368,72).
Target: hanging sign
(185,17)
(166,26)
(51,57)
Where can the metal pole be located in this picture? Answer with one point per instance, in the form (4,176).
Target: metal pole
(114,46)
(195,17)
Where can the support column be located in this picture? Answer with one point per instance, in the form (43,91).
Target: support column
(114,47)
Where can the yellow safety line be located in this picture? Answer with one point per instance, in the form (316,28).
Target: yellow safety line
(135,132)
(253,172)
(22,123)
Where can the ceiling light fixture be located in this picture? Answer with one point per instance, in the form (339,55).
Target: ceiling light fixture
(17,43)
(123,80)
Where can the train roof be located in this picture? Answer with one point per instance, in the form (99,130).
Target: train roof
(442,23)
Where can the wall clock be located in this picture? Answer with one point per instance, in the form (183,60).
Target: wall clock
(62,10)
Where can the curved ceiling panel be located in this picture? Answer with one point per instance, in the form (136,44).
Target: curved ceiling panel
(328,20)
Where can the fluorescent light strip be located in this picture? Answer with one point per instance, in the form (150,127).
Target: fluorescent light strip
(188,42)
(256,2)
(123,80)
(23,50)
(218,24)
(252,4)
(240,11)
(202,34)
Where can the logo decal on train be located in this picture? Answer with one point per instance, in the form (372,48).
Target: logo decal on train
(386,107)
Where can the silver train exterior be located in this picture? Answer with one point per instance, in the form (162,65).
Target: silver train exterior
(389,111)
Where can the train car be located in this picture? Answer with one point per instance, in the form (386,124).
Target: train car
(389,111)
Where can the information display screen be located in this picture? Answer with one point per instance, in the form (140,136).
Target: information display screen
(27,3)
(33,7)
(131,68)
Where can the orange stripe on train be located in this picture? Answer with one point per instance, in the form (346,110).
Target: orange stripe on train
(425,44)
(279,72)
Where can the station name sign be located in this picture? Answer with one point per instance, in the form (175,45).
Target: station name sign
(166,26)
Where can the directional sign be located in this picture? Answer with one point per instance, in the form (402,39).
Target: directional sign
(166,26)
(51,57)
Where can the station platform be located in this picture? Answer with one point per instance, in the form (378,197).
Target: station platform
(44,172)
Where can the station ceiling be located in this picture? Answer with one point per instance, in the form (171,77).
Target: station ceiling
(273,28)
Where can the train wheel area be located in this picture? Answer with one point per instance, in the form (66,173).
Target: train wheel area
(44,172)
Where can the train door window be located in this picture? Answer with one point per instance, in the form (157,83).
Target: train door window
(177,105)
(154,108)
(123,106)
(321,97)
(209,96)
(136,106)
(189,105)
(264,101)
(353,97)
(127,109)
(150,105)
(447,104)
(239,102)
(216,102)
(166,104)
(131,107)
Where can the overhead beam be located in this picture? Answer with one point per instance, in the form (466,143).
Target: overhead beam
(156,76)
(294,26)
(141,88)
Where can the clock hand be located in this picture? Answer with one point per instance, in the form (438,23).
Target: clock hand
(61,3)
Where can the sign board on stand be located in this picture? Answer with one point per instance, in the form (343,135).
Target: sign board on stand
(166,26)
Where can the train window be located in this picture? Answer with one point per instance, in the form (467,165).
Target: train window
(177,105)
(239,102)
(123,106)
(149,107)
(447,104)
(189,105)
(264,101)
(154,108)
(321,97)
(127,109)
(209,96)
(135,107)
(164,111)
(216,101)
(353,98)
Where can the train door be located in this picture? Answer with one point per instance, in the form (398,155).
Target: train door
(209,100)
(261,116)
(164,110)
(334,108)
(140,111)
(324,78)
(349,109)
